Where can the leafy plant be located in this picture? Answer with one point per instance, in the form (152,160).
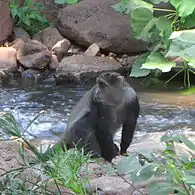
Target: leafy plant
(66,1)
(28,16)
(61,167)
(160,31)
(169,171)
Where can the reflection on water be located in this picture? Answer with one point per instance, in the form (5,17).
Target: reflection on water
(160,111)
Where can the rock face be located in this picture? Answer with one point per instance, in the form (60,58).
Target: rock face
(33,54)
(93,21)
(82,68)
(6,22)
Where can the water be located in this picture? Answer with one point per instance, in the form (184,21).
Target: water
(160,110)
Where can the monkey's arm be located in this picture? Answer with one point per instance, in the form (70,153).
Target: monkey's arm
(129,125)
(105,140)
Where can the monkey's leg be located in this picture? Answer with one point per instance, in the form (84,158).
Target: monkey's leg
(127,134)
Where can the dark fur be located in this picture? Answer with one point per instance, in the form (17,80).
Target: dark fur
(110,104)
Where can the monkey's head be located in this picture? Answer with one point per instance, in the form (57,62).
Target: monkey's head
(110,88)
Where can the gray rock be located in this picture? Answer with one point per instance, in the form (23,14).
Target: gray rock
(60,49)
(92,50)
(111,185)
(80,68)
(33,54)
(21,33)
(49,37)
(93,21)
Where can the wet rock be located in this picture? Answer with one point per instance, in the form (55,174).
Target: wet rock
(61,48)
(21,33)
(80,68)
(32,75)
(49,37)
(54,64)
(8,61)
(93,21)
(111,185)
(92,50)
(6,23)
(33,54)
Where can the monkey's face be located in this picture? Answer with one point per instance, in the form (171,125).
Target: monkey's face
(110,90)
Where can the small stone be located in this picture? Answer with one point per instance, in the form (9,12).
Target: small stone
(74,50)
(112,54)
(103,55)
(60,49)
(125,56)
(110,57)
(93,50)
(54,64)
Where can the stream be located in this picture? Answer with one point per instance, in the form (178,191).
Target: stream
(161,110)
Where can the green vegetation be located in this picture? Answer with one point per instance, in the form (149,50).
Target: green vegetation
(62,168)
(168,173)
(169,34)
(66,1)
(28,16)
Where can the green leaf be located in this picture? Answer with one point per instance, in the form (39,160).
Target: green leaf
(189,180)
(143,23)
(183,45)
(72,1)
(164,189)
(164,25)
(183,7)
(188,22)
(128,6)
(168,138)
(145,173)
(187,142)
(136,70)
(128,165)
(157,61)
(158,1)
(60,1)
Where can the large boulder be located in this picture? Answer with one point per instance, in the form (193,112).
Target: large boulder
(6,23)
(81,68)
(32,54)
(93,21)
